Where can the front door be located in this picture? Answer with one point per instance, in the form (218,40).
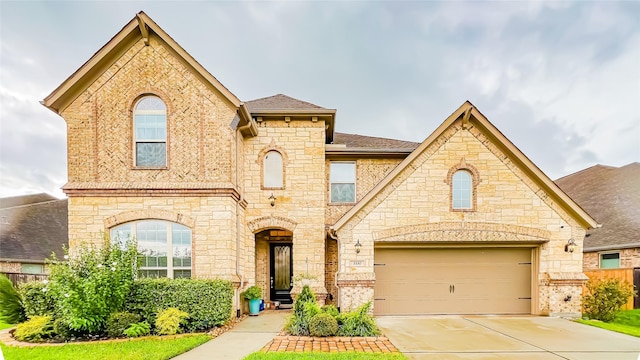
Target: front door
(281,280)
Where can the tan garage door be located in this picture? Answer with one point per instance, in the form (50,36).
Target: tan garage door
(452,281)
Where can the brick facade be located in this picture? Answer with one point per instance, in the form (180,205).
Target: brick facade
(629,258)
(213,183)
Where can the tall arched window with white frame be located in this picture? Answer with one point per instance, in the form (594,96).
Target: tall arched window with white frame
(273,170)
(150,132)
(462,190)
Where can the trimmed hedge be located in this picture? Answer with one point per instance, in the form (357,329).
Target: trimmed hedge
(208,302)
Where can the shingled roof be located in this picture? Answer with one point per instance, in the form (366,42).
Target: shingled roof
(372,142)
(612,196)
(31,230)
(279,102)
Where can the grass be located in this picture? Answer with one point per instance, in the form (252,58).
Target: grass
(319,355)
(626,322)
(155,348)
(4,325)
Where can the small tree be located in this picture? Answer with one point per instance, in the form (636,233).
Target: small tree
(605,298)
(93,284)
(11,309)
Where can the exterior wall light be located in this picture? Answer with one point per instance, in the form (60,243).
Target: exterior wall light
(358,246)
(570,246)
(272,200)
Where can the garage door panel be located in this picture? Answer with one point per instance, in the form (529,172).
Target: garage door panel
(453,281)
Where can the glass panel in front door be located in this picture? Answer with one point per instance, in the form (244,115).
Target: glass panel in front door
(282,258)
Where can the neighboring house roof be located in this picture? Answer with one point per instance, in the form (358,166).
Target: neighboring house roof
(12,201)
(612,196)
(140,27)
(279,102)
(470,116)
(32,231)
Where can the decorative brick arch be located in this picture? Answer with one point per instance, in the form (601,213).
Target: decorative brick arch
(475,180)
(129,216)
(481,232)
(268,222)
(285,161)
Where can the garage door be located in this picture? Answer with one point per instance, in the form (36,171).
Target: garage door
(452,281)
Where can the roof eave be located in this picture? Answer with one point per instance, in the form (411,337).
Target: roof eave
(328,115)
(140,27)
(366,152)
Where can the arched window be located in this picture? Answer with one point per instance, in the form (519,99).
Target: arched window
(150,132)
(273,175)
(165,247)
(462,190)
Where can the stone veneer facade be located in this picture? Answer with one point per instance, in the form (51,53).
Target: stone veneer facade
(213,184)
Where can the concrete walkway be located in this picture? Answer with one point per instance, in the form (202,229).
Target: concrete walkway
(249,336)
(500,337)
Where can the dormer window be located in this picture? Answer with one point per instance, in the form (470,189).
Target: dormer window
(150,132)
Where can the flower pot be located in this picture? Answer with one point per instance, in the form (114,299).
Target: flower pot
(254,307)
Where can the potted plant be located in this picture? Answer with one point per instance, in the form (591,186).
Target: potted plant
(253,294)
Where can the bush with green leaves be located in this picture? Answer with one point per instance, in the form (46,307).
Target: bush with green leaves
(118,322)
(323,324)
(358,323)
(36,329)
(63,331)
(169,321)
(92,284)
(331,310)
(605,298)
(36,298)
(11,309)
(138,329)
(305,307)
(208,302)
(252,293)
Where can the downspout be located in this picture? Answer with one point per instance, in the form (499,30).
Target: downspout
(332,234)
(238,239)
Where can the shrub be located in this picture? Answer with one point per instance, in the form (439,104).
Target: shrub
(35,329)
(62,330)
(36,298)
(323,324)
(252,293)
(119,322)
(331,310)
(11,309)
(605,298)
(358,322)
(169,320)
(93,284)
(208,302)
(138,329)
(304,308)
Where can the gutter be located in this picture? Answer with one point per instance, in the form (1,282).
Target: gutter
(332,234)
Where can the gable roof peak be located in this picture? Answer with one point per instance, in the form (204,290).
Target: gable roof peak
(280,102)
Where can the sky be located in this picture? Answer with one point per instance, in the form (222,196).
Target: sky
(560,79)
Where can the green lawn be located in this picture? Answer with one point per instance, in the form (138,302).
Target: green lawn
(627,322)
(4,325)
(322,356)
(156,348)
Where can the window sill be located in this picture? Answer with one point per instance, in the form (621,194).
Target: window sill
(150,168)
(341,204)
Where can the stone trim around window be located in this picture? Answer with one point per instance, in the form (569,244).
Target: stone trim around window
(475,180)
(285,161)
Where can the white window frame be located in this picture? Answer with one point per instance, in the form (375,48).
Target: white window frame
(455,189)
(274,167)
(600,256)
(137,139)
(115,236)
(332,181)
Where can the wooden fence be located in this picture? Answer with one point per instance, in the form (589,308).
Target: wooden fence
(17,278)
(625,275)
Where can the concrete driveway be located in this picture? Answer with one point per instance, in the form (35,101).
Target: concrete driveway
(499,337)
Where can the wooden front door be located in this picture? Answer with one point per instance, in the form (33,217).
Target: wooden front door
(281,279)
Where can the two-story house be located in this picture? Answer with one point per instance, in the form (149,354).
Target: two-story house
(265,191)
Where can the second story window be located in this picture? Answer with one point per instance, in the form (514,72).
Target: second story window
(272,168)
(150,132)
(343,182)
(461,190)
